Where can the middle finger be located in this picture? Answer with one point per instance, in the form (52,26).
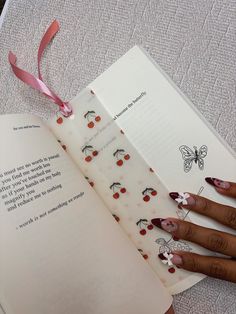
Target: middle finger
(222,213)
(211,239)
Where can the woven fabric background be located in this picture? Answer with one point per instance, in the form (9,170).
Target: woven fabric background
(193,41)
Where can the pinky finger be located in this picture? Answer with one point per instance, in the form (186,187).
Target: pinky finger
(211,266)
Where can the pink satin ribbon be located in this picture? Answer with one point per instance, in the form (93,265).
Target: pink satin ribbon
(37,83)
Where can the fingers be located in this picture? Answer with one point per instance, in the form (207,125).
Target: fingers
(171,310)
(223,187)
(210,266)
(222,213)
(209,238)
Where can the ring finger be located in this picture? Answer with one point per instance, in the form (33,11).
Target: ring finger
(211,239)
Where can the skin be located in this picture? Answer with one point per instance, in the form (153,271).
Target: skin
(170,311)
(221,242)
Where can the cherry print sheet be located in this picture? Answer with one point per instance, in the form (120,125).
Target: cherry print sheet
(125,182)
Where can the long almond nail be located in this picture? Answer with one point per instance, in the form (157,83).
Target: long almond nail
(174,259)
(166,224)
(183,198)
(218,183)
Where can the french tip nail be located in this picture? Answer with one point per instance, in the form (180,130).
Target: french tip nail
(174,195)
(157,222)
(210,180)
(218,183)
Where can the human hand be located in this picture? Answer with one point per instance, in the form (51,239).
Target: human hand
(171,310)
(221,242)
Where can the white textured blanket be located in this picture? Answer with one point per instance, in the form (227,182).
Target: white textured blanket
(193,41)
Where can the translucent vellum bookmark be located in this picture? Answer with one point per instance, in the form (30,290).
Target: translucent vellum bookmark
(122,178)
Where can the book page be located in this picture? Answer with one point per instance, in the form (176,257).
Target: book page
(61,249)
(158,119)
(125,182)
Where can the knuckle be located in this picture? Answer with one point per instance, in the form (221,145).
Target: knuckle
(217,270)
(217,242)
(203,205)
(230,217)
(188,232)
(192,263)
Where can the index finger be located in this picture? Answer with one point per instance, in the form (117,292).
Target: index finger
(226,188)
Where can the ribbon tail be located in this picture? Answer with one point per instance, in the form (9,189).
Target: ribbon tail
(48,36)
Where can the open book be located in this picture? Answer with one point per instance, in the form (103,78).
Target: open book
(64,185)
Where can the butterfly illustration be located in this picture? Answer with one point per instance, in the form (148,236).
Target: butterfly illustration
(189,156)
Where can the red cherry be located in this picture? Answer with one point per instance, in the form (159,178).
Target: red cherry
(116,195)
(88,158)
(146,198)
(171,270)
(95,153)
(91,183)
(175,238)
(150,227)
(98,118)
(127,157)
(145,256)
(123,190)
(142,231)
(91,124)
(119,162)
(154,193)
(59,120)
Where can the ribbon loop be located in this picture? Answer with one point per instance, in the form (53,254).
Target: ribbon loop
(37,83)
